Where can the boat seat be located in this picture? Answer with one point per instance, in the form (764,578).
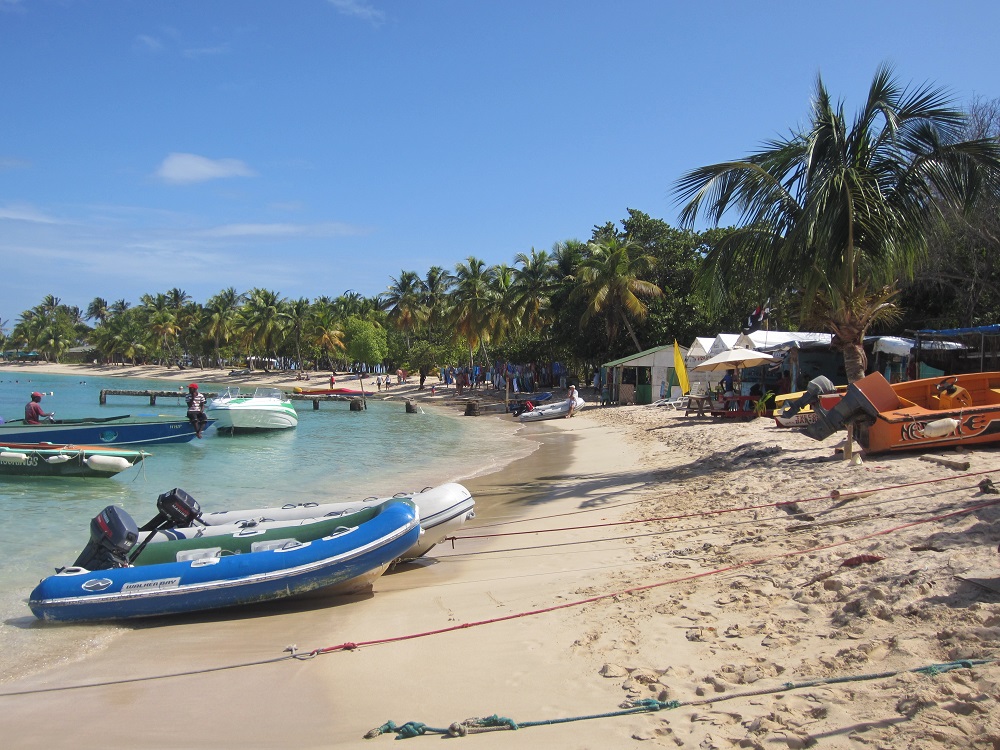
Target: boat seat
(956,397)
(879,394)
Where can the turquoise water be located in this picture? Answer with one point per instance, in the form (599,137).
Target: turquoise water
(333,454)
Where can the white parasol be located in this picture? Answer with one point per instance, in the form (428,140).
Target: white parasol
(735,359)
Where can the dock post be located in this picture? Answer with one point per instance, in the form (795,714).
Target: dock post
(315,404)
(104,398)
(152,400)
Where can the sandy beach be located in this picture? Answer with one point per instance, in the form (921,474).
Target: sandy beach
(762,591)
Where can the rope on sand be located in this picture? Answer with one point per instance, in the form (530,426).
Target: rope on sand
(704,513)
(497,723)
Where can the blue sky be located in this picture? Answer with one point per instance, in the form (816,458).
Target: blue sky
(318,146)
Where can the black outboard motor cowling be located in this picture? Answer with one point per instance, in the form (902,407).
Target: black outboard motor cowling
(112,534)
(816,388)
(177,510)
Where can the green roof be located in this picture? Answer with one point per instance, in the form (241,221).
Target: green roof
(638,355)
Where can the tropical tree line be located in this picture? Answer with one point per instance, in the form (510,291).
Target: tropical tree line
(580,303)
(872,224)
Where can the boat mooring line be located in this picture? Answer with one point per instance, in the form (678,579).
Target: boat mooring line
(496,723)
(704,513)
(352,645)
(694,529)
(148,678)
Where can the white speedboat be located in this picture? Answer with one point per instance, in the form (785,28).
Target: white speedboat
(265,409)
(557,410)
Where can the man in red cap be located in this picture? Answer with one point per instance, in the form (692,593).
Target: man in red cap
(196,409)
(33,409)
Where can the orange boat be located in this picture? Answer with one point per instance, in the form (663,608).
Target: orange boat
(927,413)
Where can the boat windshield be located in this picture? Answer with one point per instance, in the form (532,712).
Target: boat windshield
(263,392)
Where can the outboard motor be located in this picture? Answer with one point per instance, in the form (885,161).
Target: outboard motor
(177,510)
(113,533)
(853,406)
(816,388)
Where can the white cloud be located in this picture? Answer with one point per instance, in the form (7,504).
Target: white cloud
(9,162)
(188,168)
(359,9)
(324,229)
(24,212)
(148,43)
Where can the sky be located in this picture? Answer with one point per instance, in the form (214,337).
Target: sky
(316,147)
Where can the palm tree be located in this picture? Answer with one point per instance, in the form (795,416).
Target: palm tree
(532,288)
(118,307)
(220,318)
(840,213)
(403,300)
(163,324)
(98,310)
(326,333)
(473,303)
(177,298)
(296,317)
(437,283)
(610,280)
(260,322)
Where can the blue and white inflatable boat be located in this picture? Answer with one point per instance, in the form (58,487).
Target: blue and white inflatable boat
(103,585)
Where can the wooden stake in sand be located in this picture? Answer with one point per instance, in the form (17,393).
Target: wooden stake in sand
(950,463)
(850,494)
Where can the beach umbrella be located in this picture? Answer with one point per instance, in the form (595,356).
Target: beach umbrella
(735,359)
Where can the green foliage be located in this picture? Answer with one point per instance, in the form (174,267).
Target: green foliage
(366,342)
(838,213)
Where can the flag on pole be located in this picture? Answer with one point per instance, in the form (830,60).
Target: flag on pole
(680,369)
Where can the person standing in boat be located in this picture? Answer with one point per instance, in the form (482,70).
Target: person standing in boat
(196,409)
(33,410)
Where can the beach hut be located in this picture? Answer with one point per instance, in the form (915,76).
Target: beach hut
(698,351)
(640,378)
(723,343)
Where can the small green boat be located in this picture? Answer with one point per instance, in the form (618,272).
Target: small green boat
(193,542)
(65,460)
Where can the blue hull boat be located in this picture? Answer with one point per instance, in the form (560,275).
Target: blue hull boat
(143,429)
(76,594)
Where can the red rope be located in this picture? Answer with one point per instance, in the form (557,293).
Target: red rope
(703,513)
(646,587)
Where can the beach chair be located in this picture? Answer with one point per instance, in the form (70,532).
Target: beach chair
(677,400)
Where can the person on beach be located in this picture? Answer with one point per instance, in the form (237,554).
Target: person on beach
(727,383)
(378,382)
(33,410)
(333,381)
(571,400)
(196,409)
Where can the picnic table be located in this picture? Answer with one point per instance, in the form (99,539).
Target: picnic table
(697,405)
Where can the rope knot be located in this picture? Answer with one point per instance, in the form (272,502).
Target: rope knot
(496,721)
(410,729)
(389,726)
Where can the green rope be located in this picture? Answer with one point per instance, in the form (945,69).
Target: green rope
(646,705)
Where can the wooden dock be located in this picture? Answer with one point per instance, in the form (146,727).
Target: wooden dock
(179,395)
